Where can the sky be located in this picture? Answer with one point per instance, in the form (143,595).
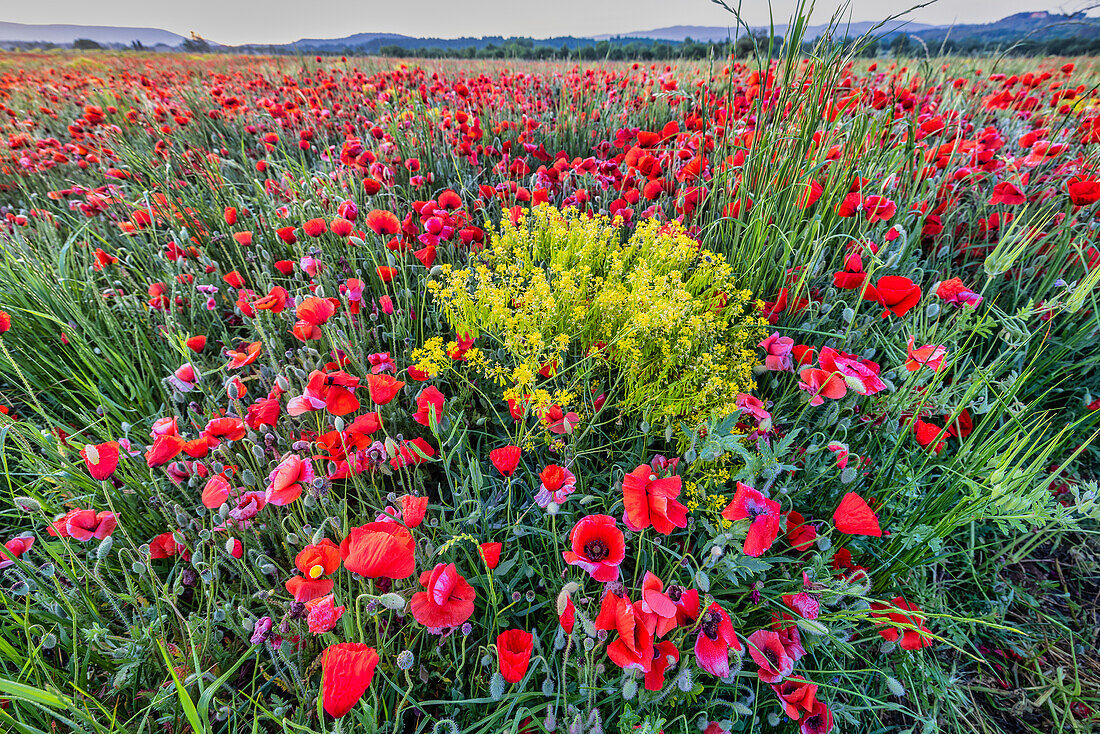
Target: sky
(282,21)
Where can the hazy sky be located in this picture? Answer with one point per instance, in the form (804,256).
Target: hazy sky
(279,21)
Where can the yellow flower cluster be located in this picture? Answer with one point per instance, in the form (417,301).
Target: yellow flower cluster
(565,298)
(696,498)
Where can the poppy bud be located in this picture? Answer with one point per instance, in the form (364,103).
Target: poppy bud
(496,686)
(28,504)
(395,602)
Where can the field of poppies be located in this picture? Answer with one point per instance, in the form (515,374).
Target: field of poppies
(510,398)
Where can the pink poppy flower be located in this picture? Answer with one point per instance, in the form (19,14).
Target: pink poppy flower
(715,640)
(930,355)
(779,349)
(288,479)
(323,614)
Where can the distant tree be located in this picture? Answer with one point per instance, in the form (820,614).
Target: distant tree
(86,44)
(137,45)
(195,44)
(744,46)
(901,45)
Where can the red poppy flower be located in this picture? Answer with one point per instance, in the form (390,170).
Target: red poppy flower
(238,359)
(490,553)
(426,256)
(855,517)
(165,546)
(234,279)
(853,276)
(340,227)
(314,561)
(505,459)
(658,604)
(664,654)
(797,695)
(332,391)
(383,223)
(514,654)
(197,448)
(413,509)
(811,192)
(227,428)
(962,426)
(83,525)
(878,208)
(567,613)
(383,388)
(101,459)
(448,601)
(800,534)
(318,559)
(1007,193)
(929,435)
(358,433)
(953,291)
(263,412)
(895,293)
(165,448)
(412,453)
(598,547)
(315,311)
(379,550)
(347,670)
(429,399)
(275,300)
(216,491)
(748,503)
(13,549)
(102,260)
(314,227)
(1083,191)
(767,650)
(386,273)
(818,721)
(633,649)
(306,590)
(652,501)
(196,343)
(930,355)
(900,621)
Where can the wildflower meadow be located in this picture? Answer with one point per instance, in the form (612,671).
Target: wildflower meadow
(500,397)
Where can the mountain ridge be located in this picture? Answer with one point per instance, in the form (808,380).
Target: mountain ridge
(1036,24)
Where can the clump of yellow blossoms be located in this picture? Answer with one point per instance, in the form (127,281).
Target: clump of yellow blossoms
(563,297)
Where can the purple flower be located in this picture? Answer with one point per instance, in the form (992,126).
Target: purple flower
(261,631)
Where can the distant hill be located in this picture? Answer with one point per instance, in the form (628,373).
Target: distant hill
(1038,26)
(722,33)
(372,43)
(65,34)
(358,39)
